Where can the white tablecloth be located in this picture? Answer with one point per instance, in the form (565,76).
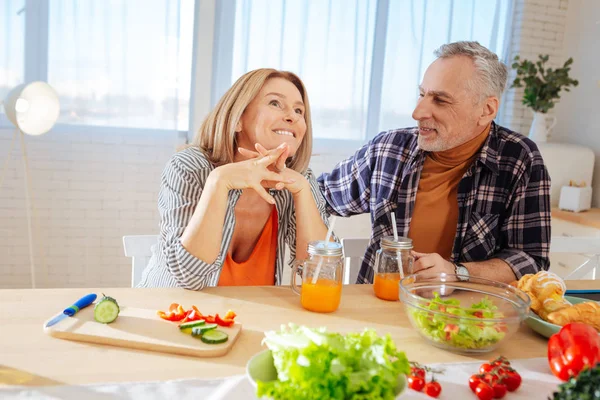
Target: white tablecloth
(538,383)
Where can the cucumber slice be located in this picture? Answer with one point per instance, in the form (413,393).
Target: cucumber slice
(106,310)
(214,336)
(200,330)
(191,324)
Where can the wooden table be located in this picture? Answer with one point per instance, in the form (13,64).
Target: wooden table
(589,217)
(29,357)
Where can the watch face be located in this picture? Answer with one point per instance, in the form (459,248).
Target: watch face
(462,270)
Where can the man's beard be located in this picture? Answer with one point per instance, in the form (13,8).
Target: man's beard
(437,144)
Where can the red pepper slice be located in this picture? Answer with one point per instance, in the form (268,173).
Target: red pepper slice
(223,322)
(176,313)
(575,347)
(192,315)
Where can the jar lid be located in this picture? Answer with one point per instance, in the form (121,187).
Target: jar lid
(403,243)
(321,248)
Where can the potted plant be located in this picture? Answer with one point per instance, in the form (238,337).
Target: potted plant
(542,90)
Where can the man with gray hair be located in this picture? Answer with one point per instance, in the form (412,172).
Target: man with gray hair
(473,196)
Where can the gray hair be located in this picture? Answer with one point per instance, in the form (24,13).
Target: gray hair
(491,72)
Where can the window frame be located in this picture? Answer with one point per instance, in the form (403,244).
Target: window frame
(37,12)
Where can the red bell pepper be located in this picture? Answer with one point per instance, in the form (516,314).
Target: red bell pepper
(192,315)
(176,313)
(223,322)
(227,320)
(575,347)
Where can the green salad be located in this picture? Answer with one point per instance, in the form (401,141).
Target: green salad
(443,327)
(316,364)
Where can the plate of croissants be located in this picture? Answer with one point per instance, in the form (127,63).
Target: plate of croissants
(551,308)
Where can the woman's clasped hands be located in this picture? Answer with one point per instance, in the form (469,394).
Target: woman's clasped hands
(259,171)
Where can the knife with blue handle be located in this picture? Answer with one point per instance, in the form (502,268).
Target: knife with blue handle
(72,310)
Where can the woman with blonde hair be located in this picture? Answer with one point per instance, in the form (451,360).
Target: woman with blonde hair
(226,211)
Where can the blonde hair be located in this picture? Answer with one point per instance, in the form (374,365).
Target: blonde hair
(217,137)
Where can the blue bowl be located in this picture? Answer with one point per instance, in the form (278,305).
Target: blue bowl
(546,328)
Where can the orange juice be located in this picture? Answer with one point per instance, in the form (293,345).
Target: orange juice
(386,285)
(323,296)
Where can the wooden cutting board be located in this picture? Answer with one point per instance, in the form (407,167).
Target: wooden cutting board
(142,329)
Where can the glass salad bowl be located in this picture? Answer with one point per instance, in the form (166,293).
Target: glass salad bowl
(464,317)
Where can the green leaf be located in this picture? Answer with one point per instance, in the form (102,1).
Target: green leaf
(316,364)
(542,85)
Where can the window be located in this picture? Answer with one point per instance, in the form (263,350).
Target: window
(12,33)
(129,63)
(361,60)
(113,63)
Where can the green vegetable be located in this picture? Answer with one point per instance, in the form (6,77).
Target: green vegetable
(316,364)
(106,310)
(214,336)
(442,326)
(586,386)
(200,330)
(187,327)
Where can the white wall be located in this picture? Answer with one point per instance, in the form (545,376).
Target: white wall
(538,28)
(578,111)
(89,189)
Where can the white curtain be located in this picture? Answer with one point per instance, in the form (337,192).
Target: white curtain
(361,60)
(12,45)
(122,63)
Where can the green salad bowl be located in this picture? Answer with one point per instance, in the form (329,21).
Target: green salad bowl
(545,328)
(474,316)
(261,368)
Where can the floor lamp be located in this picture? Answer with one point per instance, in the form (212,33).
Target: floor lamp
(33,109)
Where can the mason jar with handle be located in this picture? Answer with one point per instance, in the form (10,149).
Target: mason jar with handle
(393,261)
(321,289)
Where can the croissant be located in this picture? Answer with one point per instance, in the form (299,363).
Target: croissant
(588,313)
(546,291)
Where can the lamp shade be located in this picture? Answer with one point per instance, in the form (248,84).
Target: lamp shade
(33,107)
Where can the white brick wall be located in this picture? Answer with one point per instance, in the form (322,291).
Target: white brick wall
(89,189)
(538,28)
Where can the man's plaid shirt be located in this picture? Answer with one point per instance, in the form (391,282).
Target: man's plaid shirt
(503,198)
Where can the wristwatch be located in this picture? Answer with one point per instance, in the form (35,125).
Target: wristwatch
(462,272)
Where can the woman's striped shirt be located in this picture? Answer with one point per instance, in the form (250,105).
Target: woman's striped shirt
(182,182)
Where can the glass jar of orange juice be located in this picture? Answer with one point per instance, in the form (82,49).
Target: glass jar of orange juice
(321,289)
(392,262)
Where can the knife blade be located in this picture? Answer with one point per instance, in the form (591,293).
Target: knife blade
(72,310)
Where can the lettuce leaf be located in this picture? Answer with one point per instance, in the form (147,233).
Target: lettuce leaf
(316,364)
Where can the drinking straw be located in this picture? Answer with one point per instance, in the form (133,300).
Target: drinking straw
(394,226)
(318,271)
(398,255)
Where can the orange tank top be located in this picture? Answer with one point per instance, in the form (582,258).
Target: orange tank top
(259,268)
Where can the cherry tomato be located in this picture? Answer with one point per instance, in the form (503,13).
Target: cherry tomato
(416,371)
(512,380)
(499,390)
(484,392)
(433,389)
(485,368)
(490,378)
(474,381)
(416,382)
(500,361)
